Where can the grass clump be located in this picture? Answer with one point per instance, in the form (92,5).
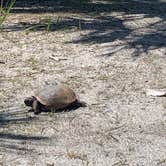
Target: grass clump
(4,11)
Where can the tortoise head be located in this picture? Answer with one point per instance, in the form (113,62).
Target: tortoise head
(29,101)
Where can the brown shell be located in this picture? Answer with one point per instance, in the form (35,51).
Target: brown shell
(56,96)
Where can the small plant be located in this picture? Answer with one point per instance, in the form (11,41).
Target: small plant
(32,61)
(31,28)
(44,24)
(74,155)
(49,24)
(4,11)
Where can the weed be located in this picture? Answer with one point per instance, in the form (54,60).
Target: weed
(32,61)
(49,24)
(32,28)
(75,155)
(103,77)
(4,11)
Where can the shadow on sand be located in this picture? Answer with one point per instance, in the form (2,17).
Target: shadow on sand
(10,141)
(103,27)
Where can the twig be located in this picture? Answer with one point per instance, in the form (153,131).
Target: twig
(57,58)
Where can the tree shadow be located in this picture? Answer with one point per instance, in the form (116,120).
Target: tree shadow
(21,137)
(105,28)
(11,142)
(148,42)
(149,7)
(14,117)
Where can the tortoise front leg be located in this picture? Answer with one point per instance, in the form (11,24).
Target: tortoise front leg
(35,107)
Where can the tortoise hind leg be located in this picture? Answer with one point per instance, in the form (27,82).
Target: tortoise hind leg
(75,105)
(36,107)
(80,103)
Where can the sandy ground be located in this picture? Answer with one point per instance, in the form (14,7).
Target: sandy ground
(109,52)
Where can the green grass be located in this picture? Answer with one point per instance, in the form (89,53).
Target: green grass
(4,11)
(49,24)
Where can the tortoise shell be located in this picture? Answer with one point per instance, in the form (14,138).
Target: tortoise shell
(56,96)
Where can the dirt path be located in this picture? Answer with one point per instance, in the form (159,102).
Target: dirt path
(109,56)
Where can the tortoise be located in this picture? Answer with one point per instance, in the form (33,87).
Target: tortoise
(53,97)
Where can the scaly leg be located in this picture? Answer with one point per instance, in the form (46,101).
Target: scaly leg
(36,107)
